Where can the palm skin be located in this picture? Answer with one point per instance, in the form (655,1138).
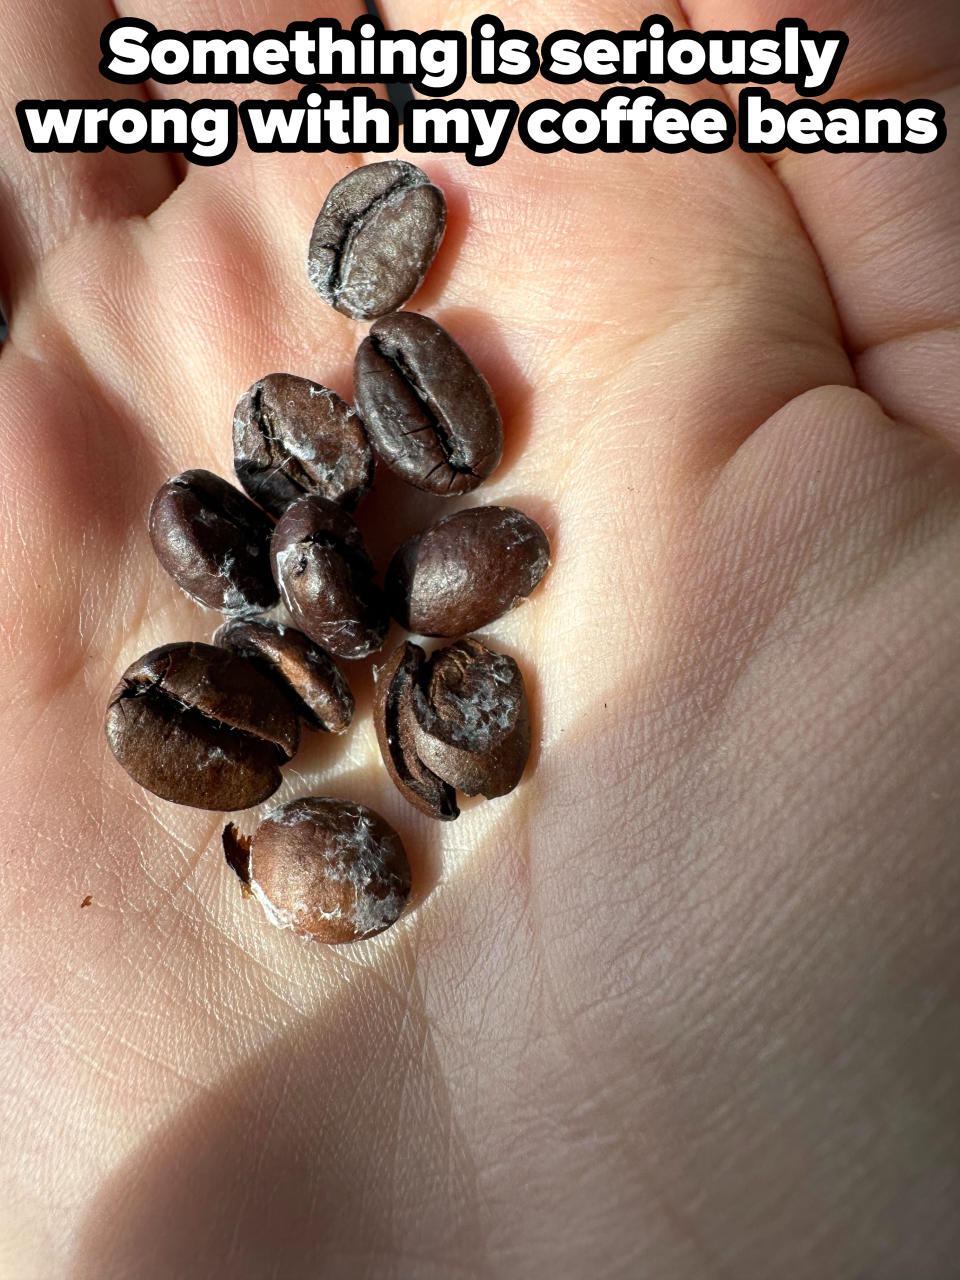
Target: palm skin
(685,1003)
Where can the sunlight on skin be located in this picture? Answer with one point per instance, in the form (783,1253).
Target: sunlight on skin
(684,999)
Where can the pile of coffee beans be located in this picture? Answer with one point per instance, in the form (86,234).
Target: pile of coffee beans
(210,725)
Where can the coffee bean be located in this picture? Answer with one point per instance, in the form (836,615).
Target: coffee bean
(201,726)
(375,237)
(396,729)
(214,543)
(292,437)
(466,570)
(305,671)
(429,414)
(457,720)
(472,725)
(328,869)
(325,577)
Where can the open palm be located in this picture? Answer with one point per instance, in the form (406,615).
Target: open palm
(685,1003)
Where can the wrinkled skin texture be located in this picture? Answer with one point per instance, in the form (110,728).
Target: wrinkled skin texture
(685,1003)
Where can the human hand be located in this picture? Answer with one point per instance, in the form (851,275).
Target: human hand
(684,1004)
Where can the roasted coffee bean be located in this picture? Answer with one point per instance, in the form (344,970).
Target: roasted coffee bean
(328,869)
(306,673)
(376,235)
(325,578)
(214,543)
(292,437)
(457,720)
(472,725)
(429,414)
(201,726)
(466,570)
(396,726)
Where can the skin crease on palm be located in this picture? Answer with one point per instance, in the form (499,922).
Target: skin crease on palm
(686,1003)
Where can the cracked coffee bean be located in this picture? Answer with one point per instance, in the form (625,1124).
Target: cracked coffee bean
(457,720)
(395,723)
(472,725)
(375,238)
(305,671)
(466,570)
(330,870)
(325,576)
(429,414)
(201,726)
(293,437)
(214,543)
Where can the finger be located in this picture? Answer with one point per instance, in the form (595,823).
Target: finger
(52,50)
(884,226)
(693,264)
(281,192)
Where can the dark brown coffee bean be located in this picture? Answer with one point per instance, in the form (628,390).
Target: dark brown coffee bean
(214,543)
(305,671)
(292,437)
(376,235)
(472,723)
(325,578)
(457,720)
(328,869)
(466,570)
(201,726)
(429,414)
(396,727)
